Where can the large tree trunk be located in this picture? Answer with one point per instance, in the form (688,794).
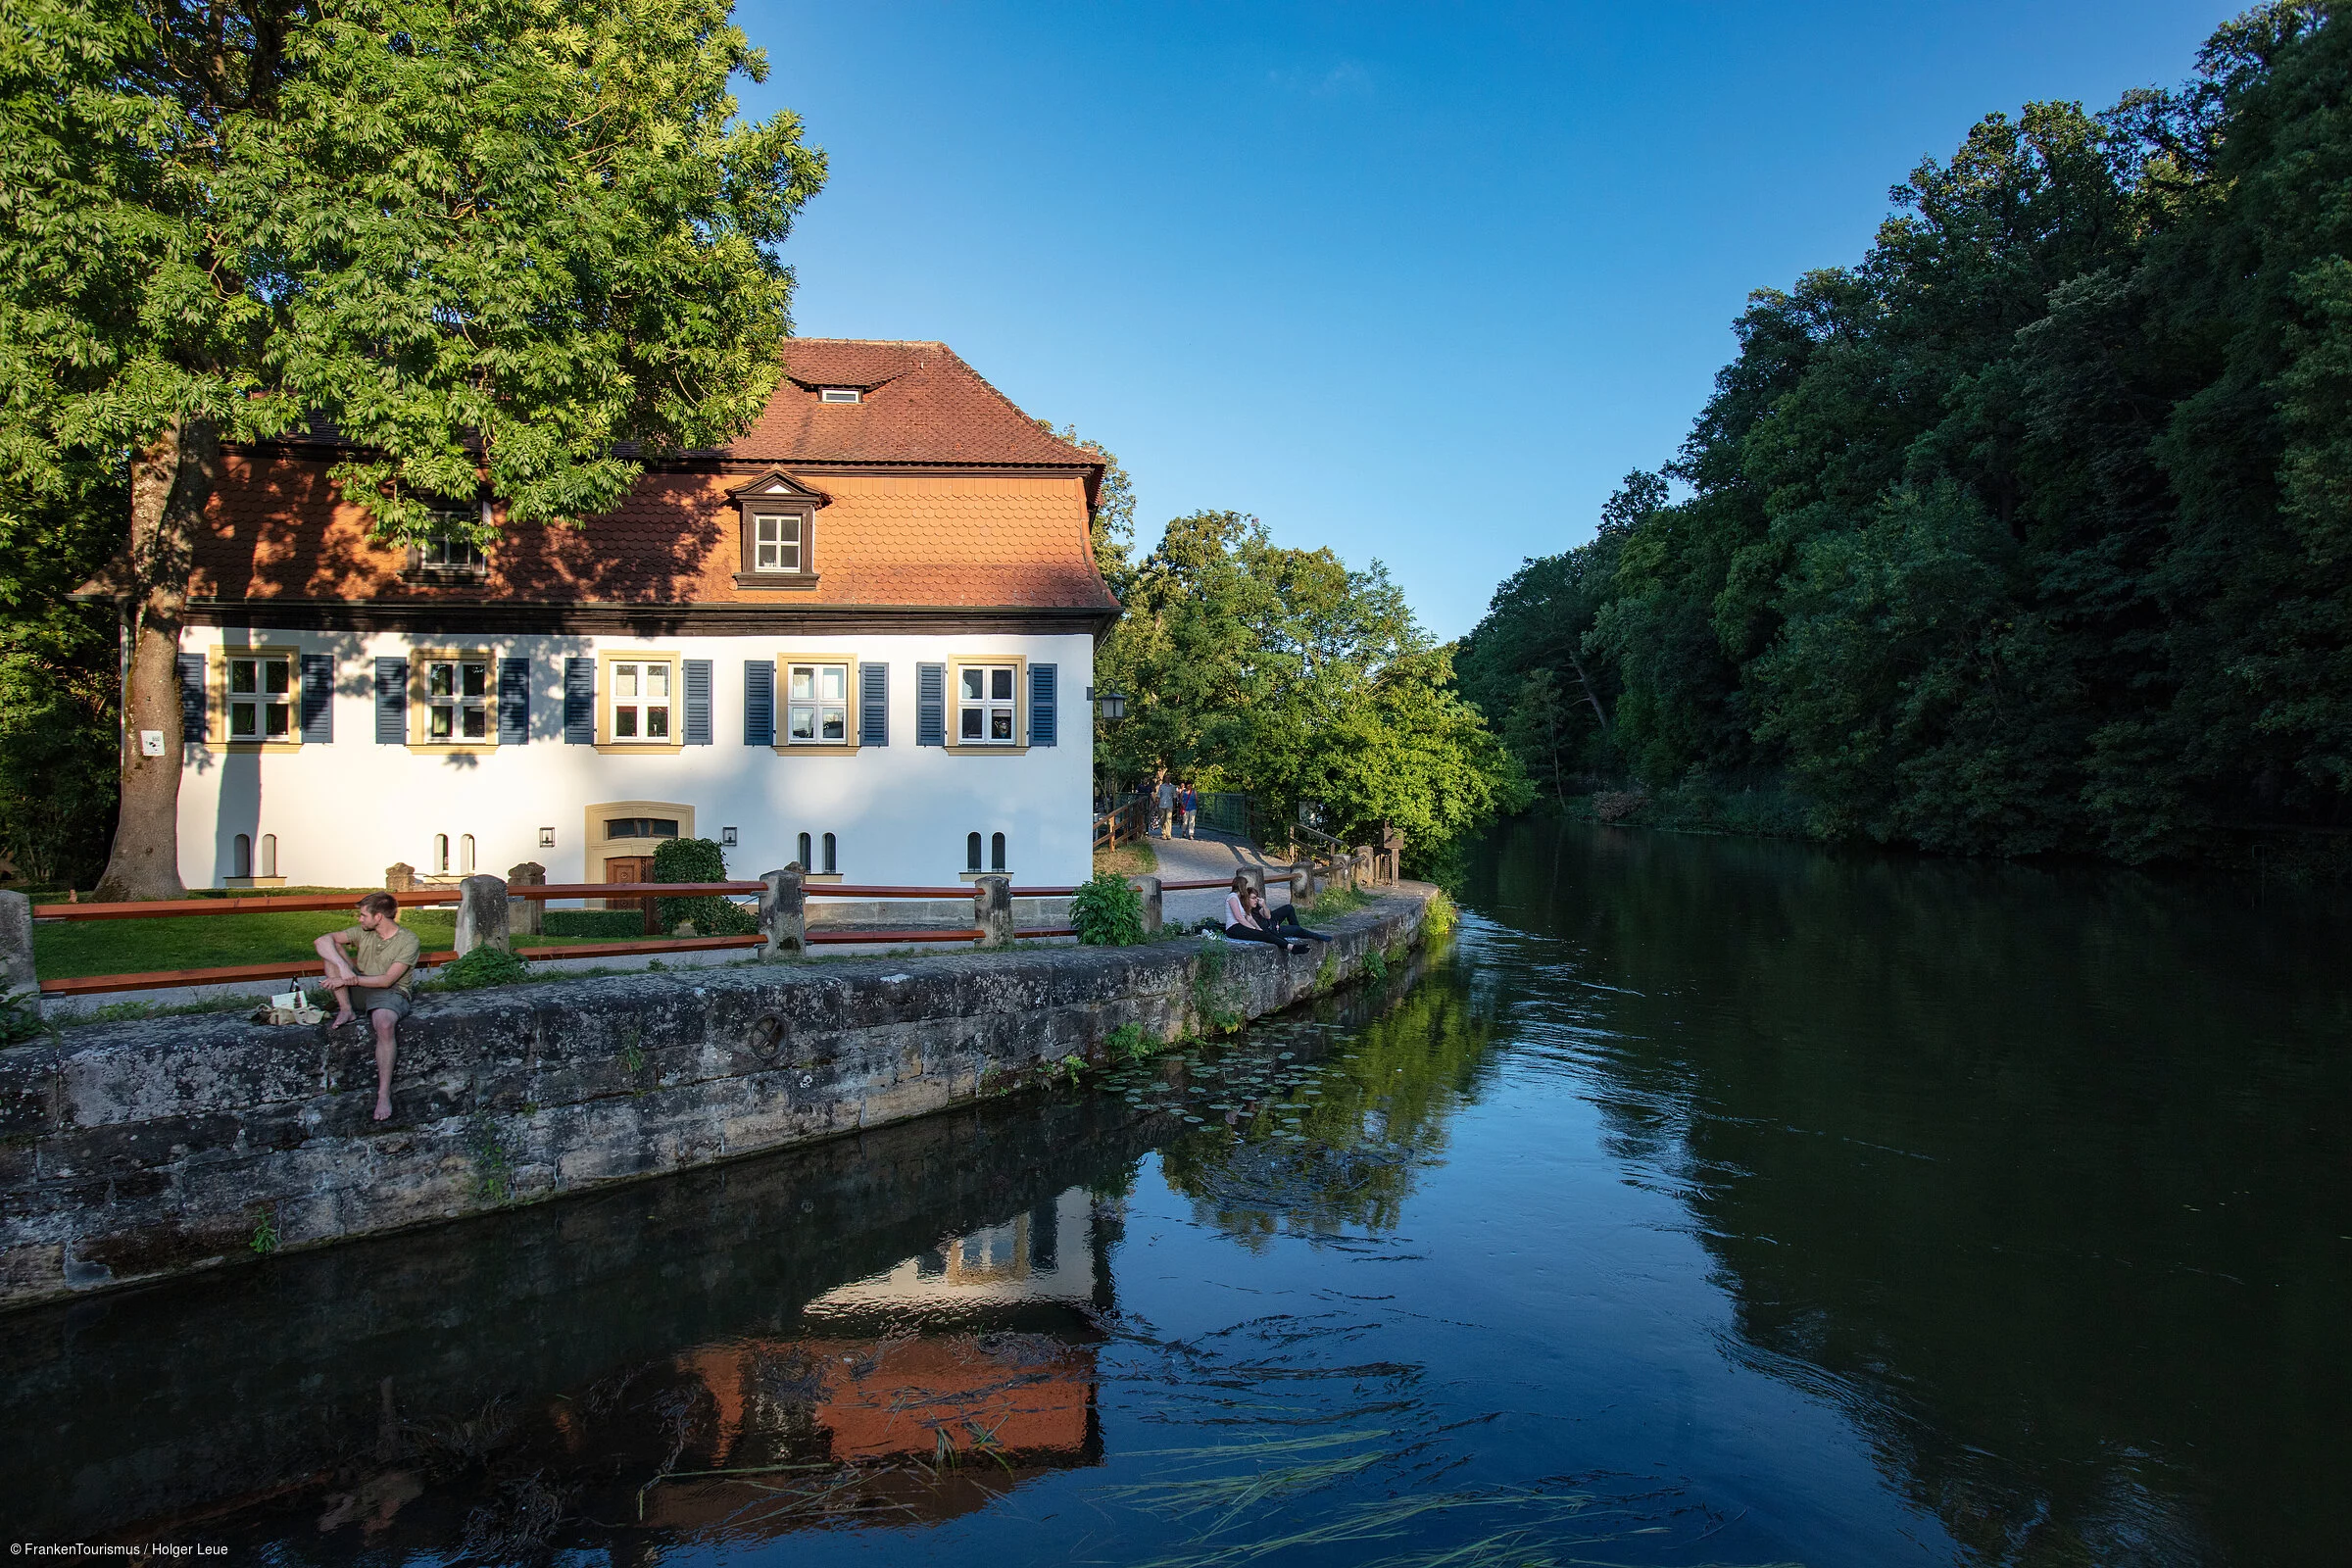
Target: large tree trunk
(170,483)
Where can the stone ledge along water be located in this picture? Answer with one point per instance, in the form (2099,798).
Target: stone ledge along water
(138,1150)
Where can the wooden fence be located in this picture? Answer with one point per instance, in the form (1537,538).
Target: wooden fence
(303,971)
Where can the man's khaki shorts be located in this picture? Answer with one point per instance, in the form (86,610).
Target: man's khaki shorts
(390,999)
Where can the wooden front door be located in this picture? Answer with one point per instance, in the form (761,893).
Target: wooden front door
(633,868)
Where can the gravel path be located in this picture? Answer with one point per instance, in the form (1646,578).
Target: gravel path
(1210,855)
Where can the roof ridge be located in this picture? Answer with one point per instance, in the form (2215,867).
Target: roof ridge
(877,342)
(1044,425)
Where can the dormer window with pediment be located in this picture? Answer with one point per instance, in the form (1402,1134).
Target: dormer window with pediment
(779,532)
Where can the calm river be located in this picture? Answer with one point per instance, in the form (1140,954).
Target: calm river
(1703,1201)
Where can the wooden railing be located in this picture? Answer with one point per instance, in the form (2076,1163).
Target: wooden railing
(305,970)
(1128,819)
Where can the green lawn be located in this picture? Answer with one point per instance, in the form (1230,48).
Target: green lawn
(64,951)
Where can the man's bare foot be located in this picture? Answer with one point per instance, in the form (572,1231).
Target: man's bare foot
(383,1108)
(342,1018)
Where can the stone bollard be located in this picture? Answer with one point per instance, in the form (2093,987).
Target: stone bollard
(524,916)
(1364,875)
(400,877)
(1257,879)
(1304,886)
(1149,887)
(16,945)
(991,910)
(783,912)
(482,915)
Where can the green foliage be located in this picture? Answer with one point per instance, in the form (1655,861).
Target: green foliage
(1441,915)
(698,860)
(1332,902)
(493,1158)
(1283,675)
(1107,912)
(21,1019)
(483,966)
(265,1235)
(1214,1005)
(58,679)
(1376,964)
(330,212)
(2032,531)
(1126,1043)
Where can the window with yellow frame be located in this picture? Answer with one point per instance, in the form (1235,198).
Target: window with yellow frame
(987,703)
(257,699)
(452,699)
(641,700)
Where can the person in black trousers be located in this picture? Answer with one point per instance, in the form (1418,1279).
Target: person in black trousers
(1248,919)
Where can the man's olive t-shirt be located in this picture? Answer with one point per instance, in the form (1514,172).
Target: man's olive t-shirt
(378,954)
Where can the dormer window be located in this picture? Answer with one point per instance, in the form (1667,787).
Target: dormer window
(779,521)
(776,541)
(840,394)
(445,552)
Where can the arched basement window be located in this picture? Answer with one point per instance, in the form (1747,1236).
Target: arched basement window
(268,854)
(831,866)
(240,857)
(807,863)
(465,854)
(441,854)
(996,852)
(971,852)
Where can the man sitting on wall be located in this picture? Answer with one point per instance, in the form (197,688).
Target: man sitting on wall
(382,979)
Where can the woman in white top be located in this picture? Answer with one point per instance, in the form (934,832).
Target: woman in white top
(1248,919)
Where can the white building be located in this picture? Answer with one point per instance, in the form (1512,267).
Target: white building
(861,638)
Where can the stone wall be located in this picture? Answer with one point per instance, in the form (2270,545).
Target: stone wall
(138,1150)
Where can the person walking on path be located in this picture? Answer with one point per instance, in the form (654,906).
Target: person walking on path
(1248,919)
(379,977)
(1167,808)
(1189,804)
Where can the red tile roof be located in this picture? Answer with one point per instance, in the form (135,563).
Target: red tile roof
(921,404)
(980,537)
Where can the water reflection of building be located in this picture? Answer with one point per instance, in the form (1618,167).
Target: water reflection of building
(940,1383)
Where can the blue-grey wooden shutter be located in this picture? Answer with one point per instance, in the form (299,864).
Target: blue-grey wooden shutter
(758,701)
(579,701)
(873,705)
(191,699)
(930,704)
(318,698)
(698,701)
(1041,686)
(391,702)
(513,702)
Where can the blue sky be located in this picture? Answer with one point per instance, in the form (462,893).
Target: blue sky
(1416,282)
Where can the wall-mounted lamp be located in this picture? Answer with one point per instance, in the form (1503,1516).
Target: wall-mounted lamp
(727,834)
(547,838)
(1112,706)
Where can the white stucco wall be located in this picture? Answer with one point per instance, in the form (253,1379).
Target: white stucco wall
(345,810)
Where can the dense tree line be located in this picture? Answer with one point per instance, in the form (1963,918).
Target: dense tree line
(2033,530)
(1247,666)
